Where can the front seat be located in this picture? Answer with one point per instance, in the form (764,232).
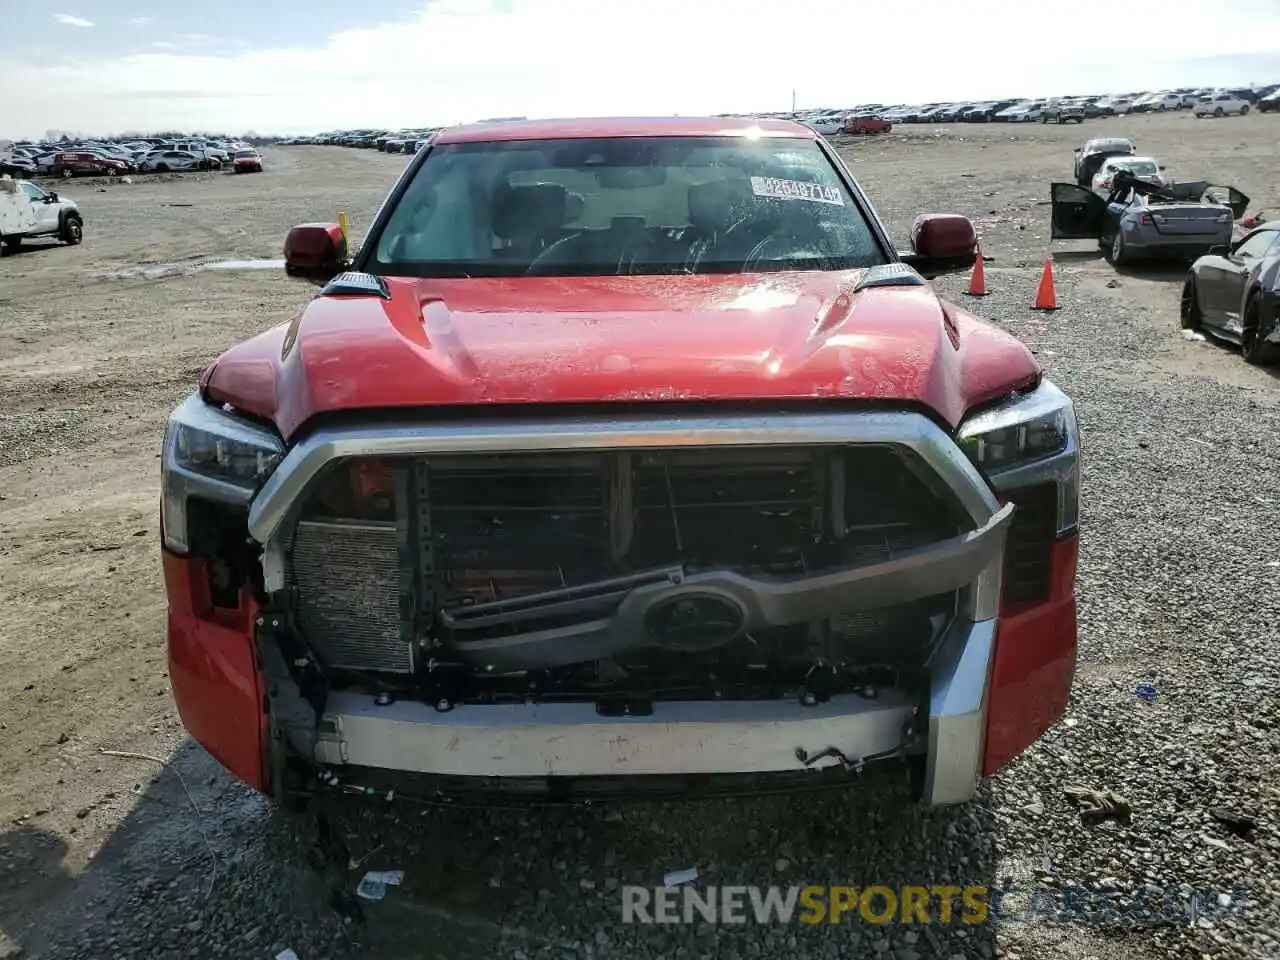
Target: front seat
(530,217)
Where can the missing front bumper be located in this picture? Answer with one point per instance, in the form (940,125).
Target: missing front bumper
(550,742)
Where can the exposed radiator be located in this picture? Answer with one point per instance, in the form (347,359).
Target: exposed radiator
(348,581)
(489,528)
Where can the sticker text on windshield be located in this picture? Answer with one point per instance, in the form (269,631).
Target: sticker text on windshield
(795,190)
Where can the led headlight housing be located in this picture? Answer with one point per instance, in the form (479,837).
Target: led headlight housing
(213,455)
(1028,440)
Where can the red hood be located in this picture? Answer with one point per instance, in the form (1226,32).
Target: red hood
(601,339)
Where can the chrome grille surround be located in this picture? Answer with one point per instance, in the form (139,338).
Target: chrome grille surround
(959,667)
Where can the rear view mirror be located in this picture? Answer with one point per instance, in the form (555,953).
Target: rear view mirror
(1219,251)
(315,252)
(53,198)
(943,241)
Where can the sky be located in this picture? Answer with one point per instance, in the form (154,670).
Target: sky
(304,66)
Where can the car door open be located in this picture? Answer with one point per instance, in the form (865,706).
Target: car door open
(1077,212)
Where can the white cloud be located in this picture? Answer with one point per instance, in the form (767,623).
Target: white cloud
(198,38)
(456,60)
(68,20)
(164,45)
(140,21)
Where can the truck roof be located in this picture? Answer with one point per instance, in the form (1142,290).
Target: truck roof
(590,127)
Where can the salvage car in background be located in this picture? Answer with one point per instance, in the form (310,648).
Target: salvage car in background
(1090,156)
(166,161)
(1063,111)
(28,211)
(82,163)
(1141,220)
(1234,292)
(563,486)
(865,123)
(247,160)
(1221,105)
(1144,168)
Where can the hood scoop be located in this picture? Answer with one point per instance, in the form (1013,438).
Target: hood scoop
(837,309)
(889,275)
(353,283)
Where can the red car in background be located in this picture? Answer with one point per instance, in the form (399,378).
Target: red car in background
(247,160)
(861,123)
(84,163)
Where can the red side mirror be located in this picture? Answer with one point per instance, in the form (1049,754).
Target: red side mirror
(315,252)
(944,238)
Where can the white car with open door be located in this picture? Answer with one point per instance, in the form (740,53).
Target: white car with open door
(28,211)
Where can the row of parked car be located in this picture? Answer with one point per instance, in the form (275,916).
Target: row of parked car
(1202,101)
(387,141)
(110,158)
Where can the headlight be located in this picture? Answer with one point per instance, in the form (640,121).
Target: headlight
(1029,428)
(212,455)
(1032,439)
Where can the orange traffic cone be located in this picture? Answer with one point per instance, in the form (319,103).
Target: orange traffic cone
(1046,298)
(978,280)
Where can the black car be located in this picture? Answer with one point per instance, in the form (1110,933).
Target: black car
(1089,158)
(1234,293)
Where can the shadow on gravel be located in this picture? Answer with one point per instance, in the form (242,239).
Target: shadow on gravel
(31,875)
(30,247)
(1156,273)
(243,878)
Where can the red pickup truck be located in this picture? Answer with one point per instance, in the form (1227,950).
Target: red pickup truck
(624,456)
(865,123)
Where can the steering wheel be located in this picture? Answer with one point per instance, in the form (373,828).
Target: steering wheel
(785,247)
(550,256)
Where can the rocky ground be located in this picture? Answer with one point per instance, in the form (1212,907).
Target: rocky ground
(120,856)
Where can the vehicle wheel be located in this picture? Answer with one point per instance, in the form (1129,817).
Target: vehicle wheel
(162,168)
(1117,253)
(1161,108)
(66,174)
(72,231)
(11,243)
(1244,110)
(1255,349)
(1189,314)
(111,171)
(1217,112)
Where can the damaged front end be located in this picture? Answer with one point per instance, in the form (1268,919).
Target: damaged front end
(574,607)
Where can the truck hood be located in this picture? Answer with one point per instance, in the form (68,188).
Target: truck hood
(547,340)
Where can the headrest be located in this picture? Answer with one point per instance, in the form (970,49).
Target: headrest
(575,206)
(530,210)
(718,204)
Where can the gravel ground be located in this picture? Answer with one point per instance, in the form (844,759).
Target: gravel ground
(103,856)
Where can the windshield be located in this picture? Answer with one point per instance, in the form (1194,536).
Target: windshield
(1139,168)
(246,153)
(625,206)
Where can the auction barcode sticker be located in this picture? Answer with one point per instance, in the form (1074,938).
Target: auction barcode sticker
(795,190)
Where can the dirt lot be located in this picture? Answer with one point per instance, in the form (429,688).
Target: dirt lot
(106,856)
